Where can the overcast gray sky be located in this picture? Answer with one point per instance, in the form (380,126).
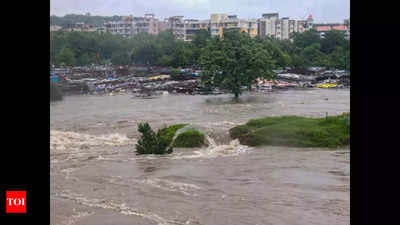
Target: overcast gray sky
(321,10)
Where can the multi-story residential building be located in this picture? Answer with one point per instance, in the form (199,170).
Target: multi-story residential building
(191,28)
(270,25)
(216,24)
(221,22)
(162,25)
(267,25)
(147,24)
(124,27)
(176,25)
(81,27)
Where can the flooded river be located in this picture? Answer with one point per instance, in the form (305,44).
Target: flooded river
(96,178)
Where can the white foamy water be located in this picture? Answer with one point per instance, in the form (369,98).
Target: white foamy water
(167,185)
(234,148)
(70,141)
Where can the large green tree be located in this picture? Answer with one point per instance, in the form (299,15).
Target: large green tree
(332,39)
(235,61)
(66,56)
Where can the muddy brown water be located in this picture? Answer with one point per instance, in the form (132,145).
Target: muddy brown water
(96,178)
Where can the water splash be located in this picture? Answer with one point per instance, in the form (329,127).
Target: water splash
(61,141)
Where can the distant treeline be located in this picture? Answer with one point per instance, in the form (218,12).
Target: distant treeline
(83,48)
(87,19)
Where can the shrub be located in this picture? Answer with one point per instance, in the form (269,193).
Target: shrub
(150,142)
(189,139)
(168,133)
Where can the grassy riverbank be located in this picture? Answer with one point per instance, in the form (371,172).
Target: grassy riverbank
(295,131)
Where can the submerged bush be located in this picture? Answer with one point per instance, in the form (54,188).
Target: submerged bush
(295,131)
(168,133)
(189,139)
(55,92)
(150,142)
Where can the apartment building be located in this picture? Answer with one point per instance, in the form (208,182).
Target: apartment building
(81,27)
(191,28)
(176,25)
(145,24)
(216,24)
(270,25)
(124,27)
(220,22)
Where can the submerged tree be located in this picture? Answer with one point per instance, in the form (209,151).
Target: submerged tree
(150,142)
(234,62)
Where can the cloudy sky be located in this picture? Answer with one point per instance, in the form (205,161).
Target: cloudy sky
(321,10)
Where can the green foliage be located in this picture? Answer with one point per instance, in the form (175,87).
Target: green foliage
(332,40)
(333,131)
(175,74)
(66,56)
(307,38)
(201,38)
(150,142)
(55,92)
(234,55)
(313,56)
(168,133)
(87,19)
(189,139)
(236,60)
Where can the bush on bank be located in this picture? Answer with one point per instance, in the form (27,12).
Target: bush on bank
(55,92)
(295,131)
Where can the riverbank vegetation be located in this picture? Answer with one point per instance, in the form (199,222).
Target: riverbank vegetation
(167,138)
(151,142)
(55,92)
(83,48)
(295,131)
(189,138)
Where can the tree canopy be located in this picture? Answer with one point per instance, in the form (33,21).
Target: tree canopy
(305,49)
(235,61)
